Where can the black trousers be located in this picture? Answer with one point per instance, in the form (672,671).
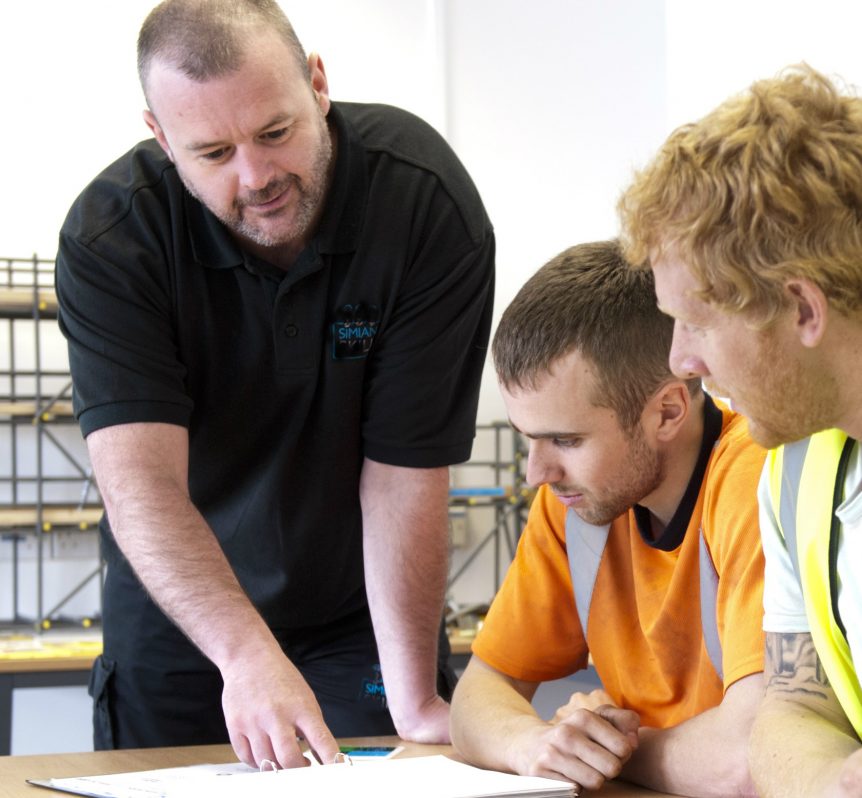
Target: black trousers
(151,687)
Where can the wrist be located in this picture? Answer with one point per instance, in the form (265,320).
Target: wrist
(427,723)
(250,645)
(520,749)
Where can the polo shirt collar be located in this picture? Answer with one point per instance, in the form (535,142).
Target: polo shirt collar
(341,222)
(212,244)
(342,218)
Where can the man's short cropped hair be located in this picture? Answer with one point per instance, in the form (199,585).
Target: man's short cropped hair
(207,39)
(589,299)
(765,188)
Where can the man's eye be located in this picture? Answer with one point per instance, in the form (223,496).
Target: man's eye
(275,135)
(567,443)
(214,155)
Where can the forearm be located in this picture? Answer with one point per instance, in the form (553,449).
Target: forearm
(185,571)
(406,560)
(141,470)
(690,759)
(802,742)
(706,755)
(170,546)
(797,751)
(489,716)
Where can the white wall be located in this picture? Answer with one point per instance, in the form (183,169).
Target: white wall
(716,50)
(69,105)
(71,101)
(550,103)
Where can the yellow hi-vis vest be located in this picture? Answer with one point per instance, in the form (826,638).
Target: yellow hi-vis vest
(806,485)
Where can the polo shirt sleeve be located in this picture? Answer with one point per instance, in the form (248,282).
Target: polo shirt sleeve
(532,631)
(422,389)
(783,604)
(730,525)
(115,311)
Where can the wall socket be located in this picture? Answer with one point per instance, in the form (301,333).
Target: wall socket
(459,530)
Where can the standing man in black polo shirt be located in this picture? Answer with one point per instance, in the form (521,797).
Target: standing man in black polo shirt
(277,315)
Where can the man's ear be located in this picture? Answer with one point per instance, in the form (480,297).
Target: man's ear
(319,82)
(153,124)
(666,411)
(810,310)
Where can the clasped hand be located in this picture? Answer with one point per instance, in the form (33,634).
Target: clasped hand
(586,742)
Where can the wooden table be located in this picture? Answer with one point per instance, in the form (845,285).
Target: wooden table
(14,770)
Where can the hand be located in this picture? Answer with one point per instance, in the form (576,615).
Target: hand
(428,723)
(267,705)
(592,700)
(587,747)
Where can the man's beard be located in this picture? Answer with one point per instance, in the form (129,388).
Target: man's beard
(788,401)
(644,473)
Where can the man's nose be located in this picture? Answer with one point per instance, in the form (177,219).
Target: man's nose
(255,168)
(542,465)
(685,361)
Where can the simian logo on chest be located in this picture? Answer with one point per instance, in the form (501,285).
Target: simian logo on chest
(353,330)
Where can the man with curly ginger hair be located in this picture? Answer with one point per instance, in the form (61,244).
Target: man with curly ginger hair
(751,220)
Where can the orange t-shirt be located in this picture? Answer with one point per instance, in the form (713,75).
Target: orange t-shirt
(644,627)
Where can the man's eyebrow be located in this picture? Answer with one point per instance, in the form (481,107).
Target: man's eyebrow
(542,435)
(197,146)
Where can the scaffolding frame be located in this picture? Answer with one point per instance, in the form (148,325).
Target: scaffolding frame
(508,497)
(27,295)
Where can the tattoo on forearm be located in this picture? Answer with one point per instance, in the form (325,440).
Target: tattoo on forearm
(792,665)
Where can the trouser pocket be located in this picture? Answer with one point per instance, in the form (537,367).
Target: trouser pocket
(101,677)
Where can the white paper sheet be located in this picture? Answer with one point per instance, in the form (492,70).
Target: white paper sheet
(417,777)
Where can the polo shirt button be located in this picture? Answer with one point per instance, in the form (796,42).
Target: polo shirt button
(291,331)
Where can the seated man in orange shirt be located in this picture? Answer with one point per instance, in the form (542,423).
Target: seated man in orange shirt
(641,550)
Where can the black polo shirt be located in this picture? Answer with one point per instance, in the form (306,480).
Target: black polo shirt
(371,344)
